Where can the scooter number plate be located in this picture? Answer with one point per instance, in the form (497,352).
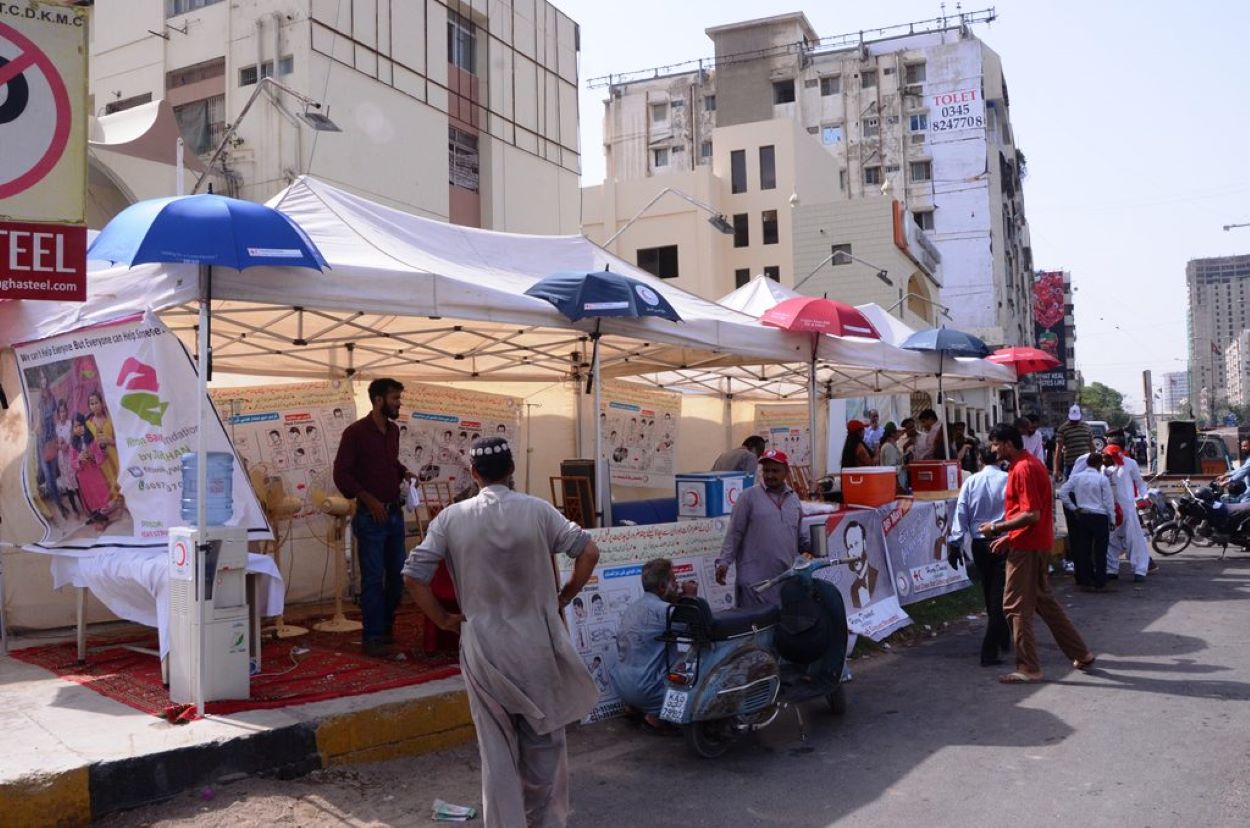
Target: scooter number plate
(674,708)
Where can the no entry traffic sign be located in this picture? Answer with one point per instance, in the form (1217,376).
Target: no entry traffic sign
(43,165)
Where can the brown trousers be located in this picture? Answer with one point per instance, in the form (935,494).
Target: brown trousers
(1028,592)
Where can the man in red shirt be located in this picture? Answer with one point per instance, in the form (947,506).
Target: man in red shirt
(1025,536)
(367,468)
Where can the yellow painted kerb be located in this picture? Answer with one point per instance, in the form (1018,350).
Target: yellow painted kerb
(59,799)
(404,728)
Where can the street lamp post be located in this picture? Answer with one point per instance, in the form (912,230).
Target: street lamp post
(882,273)
(316,120)
(717,219)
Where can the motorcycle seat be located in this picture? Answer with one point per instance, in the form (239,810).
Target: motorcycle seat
(696,615)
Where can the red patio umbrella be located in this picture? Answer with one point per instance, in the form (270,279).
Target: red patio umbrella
(816,315)
(813,314)
(1024,359)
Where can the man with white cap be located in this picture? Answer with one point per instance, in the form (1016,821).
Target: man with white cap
(1073,440)
(524,680)
(764,534)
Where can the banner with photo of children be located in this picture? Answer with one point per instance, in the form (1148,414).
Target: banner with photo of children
(639,434)
(595,614)
(112,409)
(289,431)
(786,428)
(438,424)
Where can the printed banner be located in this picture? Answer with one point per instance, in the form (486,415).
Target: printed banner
(1050,300)
(595,614)
(112,411)
(438,424)
(915,537)
(639,434)
(954,112)
(786,428)
(856,537)
(290,431)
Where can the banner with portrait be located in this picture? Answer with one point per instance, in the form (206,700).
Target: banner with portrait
(786,428)
(595,614)
(855,538)
(639,434)
(289,431)
(112,409)
(438,424)
(915,539)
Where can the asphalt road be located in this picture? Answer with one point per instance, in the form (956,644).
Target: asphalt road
(1155,735)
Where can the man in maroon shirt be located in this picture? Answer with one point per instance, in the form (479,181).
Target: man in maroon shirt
(367,468)
(1025,536)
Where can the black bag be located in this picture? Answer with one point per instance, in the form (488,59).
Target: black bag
(805,631)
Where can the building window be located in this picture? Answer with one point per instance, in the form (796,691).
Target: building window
(831,134)
(783,91)
(831,85)
(659,157)
(868,80)
(919,122)
(176,7)
(247,75)
(659,261)
(741,276)
(461,42)
(202,123)
(705,150)
(924,219)
(659,113)
(769,219)
(462,157)
(709,103)
(742,234)
(193,74)
(738,171)
(914,73)
(773,272)
(842,180)
(286,65)
(840,260)
(768,168)
(678,103)
(127,103)
(921,170)
(871,127)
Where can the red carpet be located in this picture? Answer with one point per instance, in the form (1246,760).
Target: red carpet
(333,668)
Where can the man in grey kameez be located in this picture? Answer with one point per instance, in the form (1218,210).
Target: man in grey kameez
(763,538)
(525,681)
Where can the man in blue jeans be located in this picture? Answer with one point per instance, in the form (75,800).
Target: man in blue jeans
(367,468)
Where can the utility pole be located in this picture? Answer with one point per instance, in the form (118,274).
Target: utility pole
(1150,415)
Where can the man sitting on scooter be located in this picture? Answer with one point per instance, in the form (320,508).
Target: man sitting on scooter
(642,667)
(764,534)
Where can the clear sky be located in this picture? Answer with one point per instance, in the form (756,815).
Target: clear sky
(1132,116)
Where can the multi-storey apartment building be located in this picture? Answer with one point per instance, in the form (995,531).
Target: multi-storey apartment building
(463,111)
(1175,391)
(1217,315)
(913,125)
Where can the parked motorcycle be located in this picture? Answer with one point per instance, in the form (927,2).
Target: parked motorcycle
(734,672)
(1202,517)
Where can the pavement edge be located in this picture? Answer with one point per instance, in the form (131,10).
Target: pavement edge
(47,799)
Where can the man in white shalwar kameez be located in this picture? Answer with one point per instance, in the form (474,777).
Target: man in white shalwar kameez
(1128,537)
(525,681)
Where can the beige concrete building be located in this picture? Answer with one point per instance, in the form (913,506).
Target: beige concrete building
(914,125)
(462,111)
(1217,316)
(1237,370)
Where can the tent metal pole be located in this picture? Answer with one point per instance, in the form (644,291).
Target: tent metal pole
(729,414)
(201,481)
(602,484)
(811,411)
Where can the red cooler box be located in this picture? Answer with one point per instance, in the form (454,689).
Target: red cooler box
(869,485)
(933,475)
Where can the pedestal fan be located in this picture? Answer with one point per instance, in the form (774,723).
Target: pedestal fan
(339,510)
(281,509)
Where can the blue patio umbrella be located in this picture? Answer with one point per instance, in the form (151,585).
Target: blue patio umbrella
(946,342)
(211,231)
(585,294)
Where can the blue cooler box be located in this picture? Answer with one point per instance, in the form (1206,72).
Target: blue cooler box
(709,494)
